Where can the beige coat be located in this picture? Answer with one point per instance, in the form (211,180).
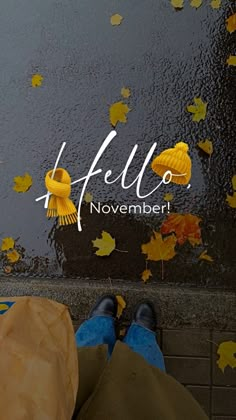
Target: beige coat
(127,388)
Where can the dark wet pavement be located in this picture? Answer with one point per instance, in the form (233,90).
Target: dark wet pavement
(166,58)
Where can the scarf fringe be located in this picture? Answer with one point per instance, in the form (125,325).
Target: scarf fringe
(68,219)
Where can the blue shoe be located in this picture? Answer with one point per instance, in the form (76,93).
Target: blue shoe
(141,336)
(100,327)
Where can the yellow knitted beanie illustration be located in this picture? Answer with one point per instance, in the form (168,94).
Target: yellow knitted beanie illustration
(60,204)
(175,160)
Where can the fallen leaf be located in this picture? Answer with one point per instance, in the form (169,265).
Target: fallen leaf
(206,146)
(105,245)
(177,4)
(116,19)
(160,249)
(13,256)
(231,60)
(118,113)
(36,80)
(231,199)
(88,197)
(199,110)
(234,182)
(226,351)
(205,256)
(196,3)
(186,228)
(215,4)
(7,243)
(7,269)
(123,332)
(146,274)
(22,183)
(121,305)
(125,92)
(168,197)
(231,23)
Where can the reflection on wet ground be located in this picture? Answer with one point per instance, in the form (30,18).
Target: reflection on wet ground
(166,58)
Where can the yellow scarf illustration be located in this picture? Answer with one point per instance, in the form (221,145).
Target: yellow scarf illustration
(60,204)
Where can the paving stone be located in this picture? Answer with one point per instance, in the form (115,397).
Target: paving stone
(186,343)
(202,395)
(189,370)
(229,375)
(224,401)
(224,418)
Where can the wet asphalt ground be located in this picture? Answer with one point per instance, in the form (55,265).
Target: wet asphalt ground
(166,58)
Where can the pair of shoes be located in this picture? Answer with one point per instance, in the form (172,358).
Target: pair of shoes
(144,314)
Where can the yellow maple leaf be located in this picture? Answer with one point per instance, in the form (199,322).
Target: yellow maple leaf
(88,197)
(13,256)
(22,183)
(146,274)
(231,199)
(234,182)
(231,23)
(226,351)
(105,245)
(231,60)
(121,305)
(205,256)
(118,113)
(177,4)
(116,19)
(7,243)
(125,92)
(196,3)
(168,197)
(36,80)
(215,4)
(198,110)
(206,146)
(160,249)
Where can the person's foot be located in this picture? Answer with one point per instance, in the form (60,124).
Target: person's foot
(105,306)
(145,315)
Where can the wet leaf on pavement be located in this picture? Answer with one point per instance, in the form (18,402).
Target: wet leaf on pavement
(186,228)
(118,113)
(7,243)
(206,146)
(231,60)
(13,256)
(215,4)
(146,274)
(226,351)
(196,3)
(22,183)
(88,197)
(36,80)
(160,249)
(205,256)
(231,23)
(231,199)
(125,92)
(116,19)
(177,4)
(7,269)
(168,197)
(199,110)
(105,245)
